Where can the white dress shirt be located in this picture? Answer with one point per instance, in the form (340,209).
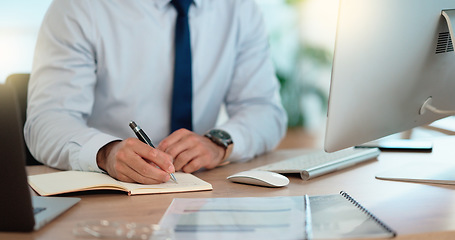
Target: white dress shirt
(101,63)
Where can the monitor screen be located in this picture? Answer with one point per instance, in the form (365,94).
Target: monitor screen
(391,56)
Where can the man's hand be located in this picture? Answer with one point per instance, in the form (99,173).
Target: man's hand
(131,160)
(191,151)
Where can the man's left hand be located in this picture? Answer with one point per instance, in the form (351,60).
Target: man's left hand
(191,151)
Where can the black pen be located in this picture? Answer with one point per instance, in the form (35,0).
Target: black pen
(144,138)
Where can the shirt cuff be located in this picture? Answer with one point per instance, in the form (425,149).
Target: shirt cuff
(87,155)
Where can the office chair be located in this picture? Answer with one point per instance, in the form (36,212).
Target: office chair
(18,83)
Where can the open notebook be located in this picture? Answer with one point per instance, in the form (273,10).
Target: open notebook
(75,181)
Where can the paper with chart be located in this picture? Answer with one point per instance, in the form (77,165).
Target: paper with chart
(333,216)
(236,218)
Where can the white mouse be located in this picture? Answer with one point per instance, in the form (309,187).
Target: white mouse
(260,178)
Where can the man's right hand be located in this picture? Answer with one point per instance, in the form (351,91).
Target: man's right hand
(131,160)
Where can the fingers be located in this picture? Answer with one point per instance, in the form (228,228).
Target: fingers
(133,161)
(152,155)
(141,171)
(208,155)
(191,151)
(127,174)
(184,157)
(181,145)
(174,138)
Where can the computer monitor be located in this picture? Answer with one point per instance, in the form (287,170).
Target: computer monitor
(391,57)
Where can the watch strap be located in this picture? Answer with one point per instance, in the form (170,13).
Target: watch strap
(227,144)
(227,153)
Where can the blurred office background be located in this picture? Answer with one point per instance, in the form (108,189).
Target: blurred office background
(301,33)
(301,37)
(19,24)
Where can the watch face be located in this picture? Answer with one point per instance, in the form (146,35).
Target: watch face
(220,134)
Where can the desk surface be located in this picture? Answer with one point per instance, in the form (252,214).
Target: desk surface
(415,211)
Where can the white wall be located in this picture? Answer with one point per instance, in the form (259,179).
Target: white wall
(19,24)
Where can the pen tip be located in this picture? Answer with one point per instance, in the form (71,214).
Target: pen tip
(173,178)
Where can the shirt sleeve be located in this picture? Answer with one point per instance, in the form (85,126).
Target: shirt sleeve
(257,120)
(61,90)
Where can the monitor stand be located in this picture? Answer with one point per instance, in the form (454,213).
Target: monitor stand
(427,172)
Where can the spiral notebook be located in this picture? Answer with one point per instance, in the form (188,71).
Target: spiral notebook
(337,216)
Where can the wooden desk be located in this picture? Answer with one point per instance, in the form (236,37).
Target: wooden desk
(415,211)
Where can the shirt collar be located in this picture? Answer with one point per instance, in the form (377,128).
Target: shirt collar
(160,4)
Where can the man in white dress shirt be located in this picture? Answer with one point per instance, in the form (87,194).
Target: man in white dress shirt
(101,63)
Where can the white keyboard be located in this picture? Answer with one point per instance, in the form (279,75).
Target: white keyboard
(317,163)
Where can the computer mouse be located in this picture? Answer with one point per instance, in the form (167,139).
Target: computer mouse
(260,178)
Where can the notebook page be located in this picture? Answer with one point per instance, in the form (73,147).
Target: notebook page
(185,182)
(71,181)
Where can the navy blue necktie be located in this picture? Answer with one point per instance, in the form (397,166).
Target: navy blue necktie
(181,112)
